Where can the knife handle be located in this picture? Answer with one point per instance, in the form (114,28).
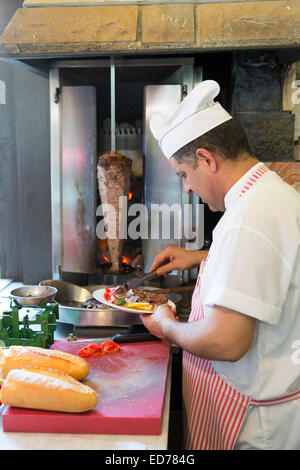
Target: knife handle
(134,338)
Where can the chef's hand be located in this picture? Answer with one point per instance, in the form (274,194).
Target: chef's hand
(156,321)
(177,258)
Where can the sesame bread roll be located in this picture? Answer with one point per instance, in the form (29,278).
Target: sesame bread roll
(29,356)
(46,389)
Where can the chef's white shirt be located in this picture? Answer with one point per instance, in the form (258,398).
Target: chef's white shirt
(254,268)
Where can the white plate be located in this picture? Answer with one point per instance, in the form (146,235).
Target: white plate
(99,295)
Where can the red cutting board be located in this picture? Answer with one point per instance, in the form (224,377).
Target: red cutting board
(130,385)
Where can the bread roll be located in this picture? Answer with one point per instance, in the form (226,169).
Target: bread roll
(29,356)
(46,389)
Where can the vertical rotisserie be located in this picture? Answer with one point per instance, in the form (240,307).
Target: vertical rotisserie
(113,173)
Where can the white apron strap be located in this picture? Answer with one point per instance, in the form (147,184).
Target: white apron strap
(276,401)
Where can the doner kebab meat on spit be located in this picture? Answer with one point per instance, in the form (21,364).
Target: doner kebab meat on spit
(113,172)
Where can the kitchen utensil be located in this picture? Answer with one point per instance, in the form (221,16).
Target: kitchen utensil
(134,337)
(170,290)
(139,281)
(33,295)
(99,295)
(119,338)
(131,386)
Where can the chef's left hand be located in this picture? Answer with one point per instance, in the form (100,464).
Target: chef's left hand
(156,321)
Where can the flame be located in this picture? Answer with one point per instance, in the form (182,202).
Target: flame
(130,196)
(124,259)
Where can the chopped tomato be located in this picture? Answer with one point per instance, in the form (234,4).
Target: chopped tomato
(110,342)
(110,346)
(91,350)
(94,349)
(98,352)
(107,296)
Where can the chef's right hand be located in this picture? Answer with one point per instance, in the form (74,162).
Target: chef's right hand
(174,257)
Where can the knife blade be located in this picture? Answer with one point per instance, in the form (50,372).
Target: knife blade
(120,338)
(90,340)
(139,281)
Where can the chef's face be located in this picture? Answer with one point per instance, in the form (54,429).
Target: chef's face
(200,181)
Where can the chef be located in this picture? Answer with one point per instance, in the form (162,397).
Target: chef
(241,376)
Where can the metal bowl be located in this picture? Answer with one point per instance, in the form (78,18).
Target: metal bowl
(33,295)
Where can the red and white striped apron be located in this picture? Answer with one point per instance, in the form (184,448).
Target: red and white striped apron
(215,411)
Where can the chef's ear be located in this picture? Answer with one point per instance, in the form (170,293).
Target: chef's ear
(208,158)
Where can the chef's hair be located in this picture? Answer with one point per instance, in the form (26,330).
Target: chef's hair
(228,140)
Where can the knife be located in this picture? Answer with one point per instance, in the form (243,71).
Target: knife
(138,281)
(120,338)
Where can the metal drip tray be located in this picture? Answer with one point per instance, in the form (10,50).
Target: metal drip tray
(71,297)
(92,317)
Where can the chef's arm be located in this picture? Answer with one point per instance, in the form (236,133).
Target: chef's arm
(224,335)
(176,258)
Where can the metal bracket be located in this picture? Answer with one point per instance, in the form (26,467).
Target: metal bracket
(113,103)
(57,95)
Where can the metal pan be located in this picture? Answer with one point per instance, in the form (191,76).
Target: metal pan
(70,298)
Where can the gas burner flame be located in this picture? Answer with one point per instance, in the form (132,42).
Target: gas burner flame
(125,260)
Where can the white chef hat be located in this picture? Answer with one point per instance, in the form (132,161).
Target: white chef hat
(197,114)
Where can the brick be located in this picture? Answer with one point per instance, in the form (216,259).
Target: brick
(71,25)
(171,27)
(257,82)
(270,133)
(168,24)
(248,21)
(28,3)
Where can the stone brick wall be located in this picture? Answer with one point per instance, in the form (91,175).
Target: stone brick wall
(296,110)
(56,28)
(136,26)
(257,104)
